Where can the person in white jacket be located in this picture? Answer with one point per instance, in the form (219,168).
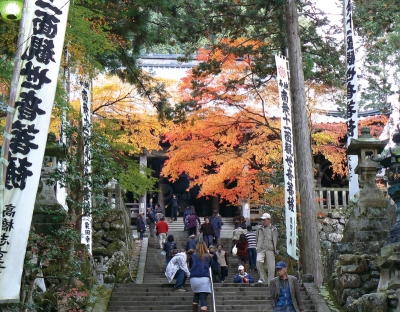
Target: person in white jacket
(178,268)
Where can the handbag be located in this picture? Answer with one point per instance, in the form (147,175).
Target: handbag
(234,250)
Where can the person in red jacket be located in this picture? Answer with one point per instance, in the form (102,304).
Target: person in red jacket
(162,231)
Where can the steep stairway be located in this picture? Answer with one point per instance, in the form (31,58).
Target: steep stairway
(155,294)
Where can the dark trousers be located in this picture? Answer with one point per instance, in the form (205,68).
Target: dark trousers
(180,276)
(192,231)
(174,212)
(202,297)
(224,271)
(252,257)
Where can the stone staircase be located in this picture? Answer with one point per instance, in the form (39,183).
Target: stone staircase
(155,294)
(175,227)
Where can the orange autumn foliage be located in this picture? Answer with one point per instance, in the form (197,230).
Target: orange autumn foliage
(222,153)
(329,139)
(229,144)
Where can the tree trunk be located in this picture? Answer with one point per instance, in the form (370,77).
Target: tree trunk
(310,254)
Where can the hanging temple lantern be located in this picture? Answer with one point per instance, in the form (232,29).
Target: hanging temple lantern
(11,9)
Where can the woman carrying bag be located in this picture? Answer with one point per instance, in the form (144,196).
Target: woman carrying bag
(242,252)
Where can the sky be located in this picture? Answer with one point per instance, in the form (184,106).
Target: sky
(331,8)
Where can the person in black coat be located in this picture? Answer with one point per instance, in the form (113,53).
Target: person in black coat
(174,207)
(141,226)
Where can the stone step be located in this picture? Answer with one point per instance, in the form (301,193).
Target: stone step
(239,305)
(155,294)
(155,264)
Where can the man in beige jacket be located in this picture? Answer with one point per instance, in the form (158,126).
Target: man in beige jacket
(267,239)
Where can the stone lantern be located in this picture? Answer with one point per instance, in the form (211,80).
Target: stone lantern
(391,161)
(48,211)
(369,214)
(389,259)
(365,147)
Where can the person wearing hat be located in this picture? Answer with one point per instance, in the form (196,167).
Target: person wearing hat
(217,223)
(191,243)
(285,291)
(242,276)
(267,239)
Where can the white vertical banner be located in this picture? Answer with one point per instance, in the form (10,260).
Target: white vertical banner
(61,192)
(86,229)
(352,97)
(288,155)
(44,39)
(143,164)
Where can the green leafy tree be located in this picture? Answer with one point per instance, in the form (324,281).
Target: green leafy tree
(377,23)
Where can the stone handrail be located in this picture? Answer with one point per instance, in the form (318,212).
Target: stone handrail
(331,198)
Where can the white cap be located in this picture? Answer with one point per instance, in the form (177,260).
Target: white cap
(266,216)
(241,267)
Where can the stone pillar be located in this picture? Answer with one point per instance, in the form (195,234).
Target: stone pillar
(214,203)
(246,209)
(161,198)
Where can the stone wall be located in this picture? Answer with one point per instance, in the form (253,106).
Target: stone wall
(330,226)
(350,267)
(113,244)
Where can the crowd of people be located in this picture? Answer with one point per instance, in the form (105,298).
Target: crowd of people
(253,249)
(204,260)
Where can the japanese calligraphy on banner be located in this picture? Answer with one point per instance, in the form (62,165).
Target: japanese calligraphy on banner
(86,229)
(288,155)
(44,38)
(352,103)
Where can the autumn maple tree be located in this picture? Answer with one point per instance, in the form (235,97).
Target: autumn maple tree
(228,142)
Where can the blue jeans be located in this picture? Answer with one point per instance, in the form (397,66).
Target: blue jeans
(208,239)
(180,276)
(252,257)
(202,297)
(284,309)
